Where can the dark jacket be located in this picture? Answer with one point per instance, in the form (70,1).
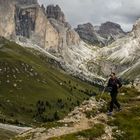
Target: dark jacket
(113,85)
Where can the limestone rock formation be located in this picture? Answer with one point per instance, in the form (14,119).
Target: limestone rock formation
(72,38)
(25,20)
(100,35)
(66,36)
(7,23)
(55,13)
(111,29)
(88,34)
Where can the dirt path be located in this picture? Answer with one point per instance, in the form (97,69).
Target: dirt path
(13,128)
(78,121)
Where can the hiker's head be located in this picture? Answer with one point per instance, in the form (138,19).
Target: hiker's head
(113,75)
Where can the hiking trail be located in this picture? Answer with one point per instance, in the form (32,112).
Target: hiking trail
(74,122)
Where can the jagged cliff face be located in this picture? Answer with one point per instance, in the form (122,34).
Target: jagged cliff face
(65,35)
(101,35)
(25,19)
(31,23)
(7,23)
(57,18)
(89,35)
(55,13)
(111,29)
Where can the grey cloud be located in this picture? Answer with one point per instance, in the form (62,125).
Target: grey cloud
(124,12)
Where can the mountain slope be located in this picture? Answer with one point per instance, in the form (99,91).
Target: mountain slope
(33,87)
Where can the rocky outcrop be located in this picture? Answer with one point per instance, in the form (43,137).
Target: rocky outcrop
(88,34)
(43,8)
(43,31)
(52,39)
(55,13)
(32,23)
(65,35)
(28,19)
(72,38)
(110,29)
(25,19)
(7,23)
(100,35)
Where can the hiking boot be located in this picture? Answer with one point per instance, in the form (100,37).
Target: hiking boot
(119,109)
(109,113)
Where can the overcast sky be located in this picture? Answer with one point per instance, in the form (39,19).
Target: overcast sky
(124,12)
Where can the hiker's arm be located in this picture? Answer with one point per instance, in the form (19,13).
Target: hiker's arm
(108,84)
(119,83)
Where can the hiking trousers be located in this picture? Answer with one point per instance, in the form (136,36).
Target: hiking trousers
(114,101)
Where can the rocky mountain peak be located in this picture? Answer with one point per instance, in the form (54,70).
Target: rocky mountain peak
(56,13)
(88,34)
(86,26)
(43,8)
(110,25)
(100,35)
(110,28)
(7,10)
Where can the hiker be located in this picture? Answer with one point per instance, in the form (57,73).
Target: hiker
(113,85)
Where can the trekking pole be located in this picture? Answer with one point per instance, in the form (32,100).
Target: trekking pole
(105,85)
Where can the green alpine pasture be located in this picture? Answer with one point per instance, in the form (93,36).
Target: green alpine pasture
(33,90)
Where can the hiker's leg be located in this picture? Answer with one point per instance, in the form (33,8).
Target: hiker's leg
(111,103)
(116,102)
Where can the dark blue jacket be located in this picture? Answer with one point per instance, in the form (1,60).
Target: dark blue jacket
(112,85)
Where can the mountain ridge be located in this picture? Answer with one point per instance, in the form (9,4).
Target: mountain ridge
(56,37)
(102,35)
